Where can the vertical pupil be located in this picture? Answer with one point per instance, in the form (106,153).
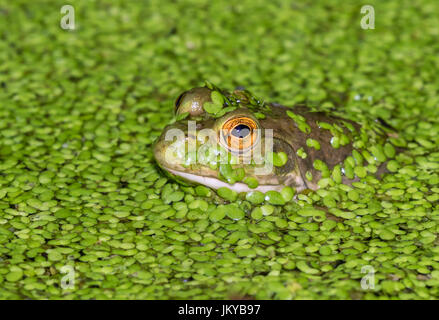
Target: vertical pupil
(241,131)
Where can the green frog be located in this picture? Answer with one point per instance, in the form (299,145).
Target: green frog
(236,140)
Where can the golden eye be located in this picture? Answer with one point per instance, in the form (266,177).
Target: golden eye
(239,134)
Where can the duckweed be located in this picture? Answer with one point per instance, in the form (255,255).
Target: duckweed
(227,193)
(287,193)
(278,159)
(312,143)
(274,197)
(234,212)
(79,189)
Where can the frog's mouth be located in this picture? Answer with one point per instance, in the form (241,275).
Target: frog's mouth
(215,183)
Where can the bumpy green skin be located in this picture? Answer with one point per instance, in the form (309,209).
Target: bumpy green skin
(318,146)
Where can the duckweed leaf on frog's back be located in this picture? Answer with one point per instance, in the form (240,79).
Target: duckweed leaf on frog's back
(301,153)
(312,143)
(255,197)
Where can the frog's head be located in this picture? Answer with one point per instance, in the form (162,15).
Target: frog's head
(222,139)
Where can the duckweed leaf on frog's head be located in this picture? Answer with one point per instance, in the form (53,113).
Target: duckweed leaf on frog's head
(216,107)
(217,98)
(227,193)
(212,107)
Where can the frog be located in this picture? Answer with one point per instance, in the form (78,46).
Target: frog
(306,146)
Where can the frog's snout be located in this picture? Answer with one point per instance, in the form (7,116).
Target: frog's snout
(170,149)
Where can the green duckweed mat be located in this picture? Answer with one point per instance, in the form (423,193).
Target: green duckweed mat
(86,214)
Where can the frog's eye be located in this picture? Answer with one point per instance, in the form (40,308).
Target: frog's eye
(192,101)
(239,134)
